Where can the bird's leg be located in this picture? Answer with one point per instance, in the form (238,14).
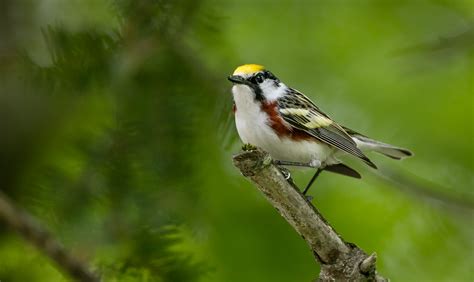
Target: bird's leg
(312,180)
(288,163)
(313,164)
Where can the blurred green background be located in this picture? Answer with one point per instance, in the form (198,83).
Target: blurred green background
(116,132)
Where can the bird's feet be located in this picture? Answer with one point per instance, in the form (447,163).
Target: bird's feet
(286,173)
(248,147)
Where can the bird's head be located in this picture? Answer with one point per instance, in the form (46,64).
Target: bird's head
(261,81)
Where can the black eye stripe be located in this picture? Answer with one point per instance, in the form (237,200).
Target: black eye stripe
(268,74)
(253,79)
(261,76)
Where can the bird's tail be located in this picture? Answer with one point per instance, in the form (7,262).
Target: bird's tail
(367,144)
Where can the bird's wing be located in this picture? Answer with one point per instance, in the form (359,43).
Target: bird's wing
(301,113)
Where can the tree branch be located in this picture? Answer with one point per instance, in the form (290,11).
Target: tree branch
(339,260)
(32,231)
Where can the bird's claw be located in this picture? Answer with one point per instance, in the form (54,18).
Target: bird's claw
(286,173)
(248,147)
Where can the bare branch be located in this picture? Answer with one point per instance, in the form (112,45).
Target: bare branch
(339,260)
(32,231)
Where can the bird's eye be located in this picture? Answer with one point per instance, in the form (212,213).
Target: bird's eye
(259,78)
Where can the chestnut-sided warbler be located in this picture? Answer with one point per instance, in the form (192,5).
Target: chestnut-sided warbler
(292,129)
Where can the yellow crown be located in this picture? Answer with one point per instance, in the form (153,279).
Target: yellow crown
(248,69)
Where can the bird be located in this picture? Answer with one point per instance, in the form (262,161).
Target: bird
(293,130)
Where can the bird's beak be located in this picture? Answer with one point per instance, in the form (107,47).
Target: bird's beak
(237,79)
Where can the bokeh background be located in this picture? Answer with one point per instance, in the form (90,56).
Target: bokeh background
(116,133)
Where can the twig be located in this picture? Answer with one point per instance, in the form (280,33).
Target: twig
(32,231)
(368,264)
(339,260)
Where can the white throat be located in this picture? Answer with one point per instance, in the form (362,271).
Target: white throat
(249,118)
(245,101)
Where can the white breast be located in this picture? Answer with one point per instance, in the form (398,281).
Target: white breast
(253,127)
(251,121)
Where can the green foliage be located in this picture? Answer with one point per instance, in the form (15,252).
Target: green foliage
(116,132)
